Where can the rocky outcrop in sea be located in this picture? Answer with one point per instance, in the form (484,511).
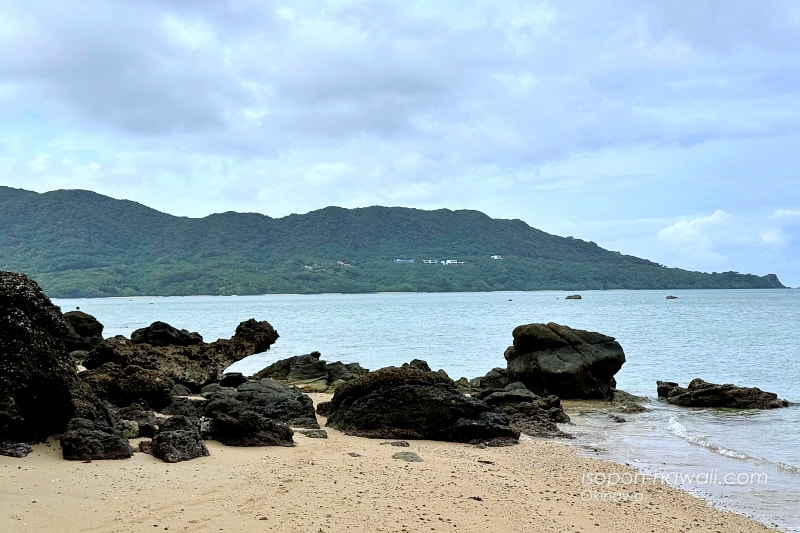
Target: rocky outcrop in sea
(551,359)
(701,393)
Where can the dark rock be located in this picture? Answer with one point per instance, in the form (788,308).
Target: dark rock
(409,457)
(307,371)
(178,439)
(85,440)
(194,365)
(279,402)
(629,403)
(403,403)
(616,418)
(79,355)
(213,388)
(186,407)
(419,364)
(495,378)
(528,413)
(399,443)
(671,297)
(314,433)
(146,446)
(142,385)
(339,372)
(310,373)
(38,380)
(145,419)
(570,363)
(15,449)
(232,379)
(324,408)
(162,334)
(84,333)
(703,394)
(236,423)
(573,297)
(132,384)
(180,390)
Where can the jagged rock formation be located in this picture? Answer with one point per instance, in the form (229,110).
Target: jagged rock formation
(310,373)
(193,365)
(701,393)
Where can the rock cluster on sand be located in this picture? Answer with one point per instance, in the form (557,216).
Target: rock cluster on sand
(701,393)
(131,387)
(569,363)
(310,373)
(95,412)
(409,403)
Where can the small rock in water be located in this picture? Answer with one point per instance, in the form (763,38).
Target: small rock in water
(410,457)
(616,418)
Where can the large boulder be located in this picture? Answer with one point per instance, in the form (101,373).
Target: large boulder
(569,363)
(235,423)
(267,397)
(178,439)
(192,365)
(162,334)
(132,384)
(410,403)
(37,374)
(85,331)
(701,393)
(85,440)
(277,401)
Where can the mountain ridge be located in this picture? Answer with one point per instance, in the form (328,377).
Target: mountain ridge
(79,243)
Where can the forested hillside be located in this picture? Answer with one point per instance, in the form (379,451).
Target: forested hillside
(78,243)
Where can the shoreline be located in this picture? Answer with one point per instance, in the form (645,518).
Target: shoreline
(346,483)
(728,480)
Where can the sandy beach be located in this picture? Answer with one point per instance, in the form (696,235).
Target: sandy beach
(345,483)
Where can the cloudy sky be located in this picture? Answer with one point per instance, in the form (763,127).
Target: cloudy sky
(667,129)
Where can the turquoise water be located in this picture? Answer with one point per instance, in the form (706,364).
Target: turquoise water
(747,337)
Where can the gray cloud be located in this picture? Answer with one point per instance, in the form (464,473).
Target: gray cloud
(623,110)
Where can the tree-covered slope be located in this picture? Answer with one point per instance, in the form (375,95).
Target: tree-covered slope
(79,243)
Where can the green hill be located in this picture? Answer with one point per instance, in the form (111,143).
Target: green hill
(81,244)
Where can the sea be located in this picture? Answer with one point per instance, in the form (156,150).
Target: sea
(746,461)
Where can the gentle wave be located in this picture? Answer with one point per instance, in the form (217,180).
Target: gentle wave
(680,431)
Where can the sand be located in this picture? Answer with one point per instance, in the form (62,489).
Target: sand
(347,484)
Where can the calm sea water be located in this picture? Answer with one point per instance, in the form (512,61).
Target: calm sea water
(748,461)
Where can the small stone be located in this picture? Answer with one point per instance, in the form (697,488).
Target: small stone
(410,457)
(314,433)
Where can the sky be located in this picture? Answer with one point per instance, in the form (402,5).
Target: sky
(668,130)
